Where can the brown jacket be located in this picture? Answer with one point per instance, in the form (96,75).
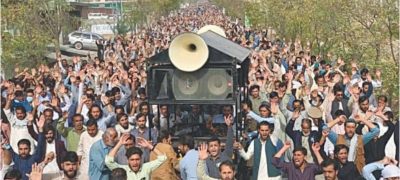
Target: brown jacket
(167,169)
(360,159)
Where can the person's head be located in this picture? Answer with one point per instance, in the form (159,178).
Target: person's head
(306,126)
(95,112)
(13,174)
(48,115)
(196,109)
(49,132)
(227,110)
(254,91)
(24,148)
(134,156)
(273,97)
(19,95)
(118,174)
(364,72)
(89,100)
(382,100)
(122,120)
(144,108)
(70,164)
(227,170)
(341,115)
(110,137)
(142,93)
(299,156)
(92,128)
(389,115)
(117,93)
(77,121)
(297,105)
(186,143)
(165,137)
(330,169)
(264,110)
(20,112)
(350,128)
(341,153)
(131,141)
(214,146)
(363,102)
(365,86)
(264,130)
(141,120)
(391,172)
(164,110)
(338,92)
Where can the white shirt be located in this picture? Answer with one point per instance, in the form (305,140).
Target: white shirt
(52,166)
(19,130)
(120,129)
(85,143)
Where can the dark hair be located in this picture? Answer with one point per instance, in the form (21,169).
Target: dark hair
(273,94)
(140,115)
(307,121)
(164,134)
(133,150)
(362,99)
(302,149)
(351,120)
(339,113)
(77,115)
(227,163)
(141,91)
(264,123)
(120,115)
(118,174)
(363,71)
(328,162)
(248,102)
(91,109)
(337,89)
(21,108)
(24,141)
(254,87)
(389,114)
(70,156)
(18,93)
(48,110)
(339,147)
(143,104)
(91,122)
(214,138)
(383,97)
(115,90)
(13,174)
(187,140)
(47,128)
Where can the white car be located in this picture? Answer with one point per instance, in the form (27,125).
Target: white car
(84,40)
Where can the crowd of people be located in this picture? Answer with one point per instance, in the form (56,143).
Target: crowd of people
(306,117)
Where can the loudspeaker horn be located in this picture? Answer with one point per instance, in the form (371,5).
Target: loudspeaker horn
(188,52)
(212,28)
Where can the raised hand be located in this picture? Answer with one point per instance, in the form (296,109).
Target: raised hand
(296,114)
(203,154)
(36,173)
(316,147)
(124,139)
(144,143)
(29,116)
(228,120)
(237,145)
(274,108)
(287,144)
(41,122)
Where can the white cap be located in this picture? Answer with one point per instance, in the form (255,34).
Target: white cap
(390,171)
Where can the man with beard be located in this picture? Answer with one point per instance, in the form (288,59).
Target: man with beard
(135,169)
(188,163)
(299,168)
(97,114)
(330,169)
(347,169)
(71,134)
(263,149)
(143,132)
(23,160)
(226,168)
(354,142)
(69,165)
(214,147)
(97,168)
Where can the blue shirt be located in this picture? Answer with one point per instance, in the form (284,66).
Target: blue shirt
(97,167)
(188,165)
(366,137)
(24,165)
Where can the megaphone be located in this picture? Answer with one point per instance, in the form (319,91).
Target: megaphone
(212,28)
(188,52)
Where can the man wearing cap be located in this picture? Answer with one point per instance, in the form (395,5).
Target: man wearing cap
(306,136)
(354,142)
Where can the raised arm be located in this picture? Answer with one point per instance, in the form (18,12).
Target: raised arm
(229,141)
(110,163)
(316,147)
(201,166)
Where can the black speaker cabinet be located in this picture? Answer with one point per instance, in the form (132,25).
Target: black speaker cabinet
(208,85)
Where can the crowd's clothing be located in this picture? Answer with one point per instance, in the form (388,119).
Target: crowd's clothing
(295,173)
(19,130)
(85,143)
(188,165)
(70,134)
(24,165)
(201,172)
(167,169)
(226,155)
(375,149)
(144,171)
(97,167)
(348,171)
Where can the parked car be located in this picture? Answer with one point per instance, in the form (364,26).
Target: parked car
(84,40)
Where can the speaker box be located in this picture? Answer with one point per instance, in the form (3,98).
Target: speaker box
(206,84)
